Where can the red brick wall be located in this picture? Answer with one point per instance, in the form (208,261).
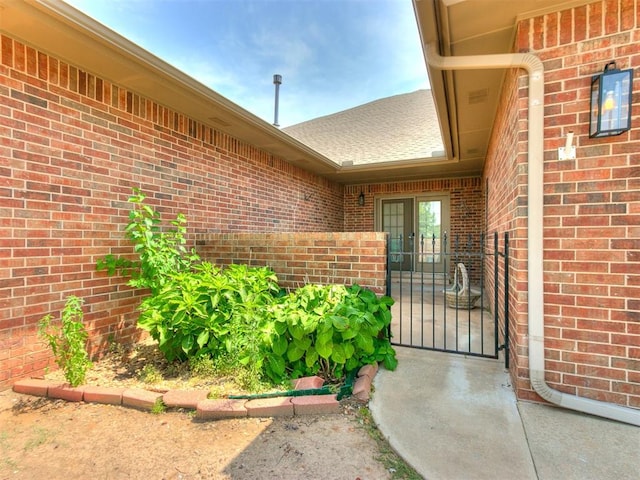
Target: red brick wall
(466,205)
(505,182)
(300,258)
(467,202)
(591,207)
(72,147)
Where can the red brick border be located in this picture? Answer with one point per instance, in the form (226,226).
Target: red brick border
(106,395)
(316,405)
(34,386)
(221,408)
(66,392)
(270,407)
(206,409)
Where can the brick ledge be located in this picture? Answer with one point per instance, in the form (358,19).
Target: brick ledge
(206,409)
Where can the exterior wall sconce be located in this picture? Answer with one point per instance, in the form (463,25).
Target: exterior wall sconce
(610,102)
(361,199)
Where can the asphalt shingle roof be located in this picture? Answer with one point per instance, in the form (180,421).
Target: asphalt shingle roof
(402,127)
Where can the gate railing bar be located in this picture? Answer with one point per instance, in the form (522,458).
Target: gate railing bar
(420,259)
(448,252)
(505,255)
(412,268)
(401,261)
(506,300)
(482,265)
(388,289)
(445,269)
(433,289)
(469,247)
(496,291)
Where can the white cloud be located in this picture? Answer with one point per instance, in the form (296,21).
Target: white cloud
(333,54)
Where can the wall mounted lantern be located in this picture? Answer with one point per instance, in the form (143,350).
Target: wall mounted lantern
(610,102)
(361,199)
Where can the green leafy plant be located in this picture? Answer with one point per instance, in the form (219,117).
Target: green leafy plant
(158,407)
(160,248)
(150,374)
(329,330)
(240,318)
(68,341)
(215,313)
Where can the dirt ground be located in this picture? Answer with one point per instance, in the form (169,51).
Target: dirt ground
(54,439)
(41,438)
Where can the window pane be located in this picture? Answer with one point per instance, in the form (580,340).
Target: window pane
(430,226)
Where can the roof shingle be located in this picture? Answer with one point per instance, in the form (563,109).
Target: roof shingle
(402,127)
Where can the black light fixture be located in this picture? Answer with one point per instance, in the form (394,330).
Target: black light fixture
(610,102)
(361,199)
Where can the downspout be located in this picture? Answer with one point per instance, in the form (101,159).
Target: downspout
(535,198)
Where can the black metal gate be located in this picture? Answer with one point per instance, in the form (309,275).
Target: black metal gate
(442,302)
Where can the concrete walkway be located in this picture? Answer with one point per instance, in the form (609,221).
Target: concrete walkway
(455,417)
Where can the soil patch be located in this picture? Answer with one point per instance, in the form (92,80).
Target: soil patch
(54,439)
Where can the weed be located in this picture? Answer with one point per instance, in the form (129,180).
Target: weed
(161,249)
(394,464)
(202,366)
(40,437)
(158,407)
(218,391)
(150,374)
(248,379)
(113,347)
(68,341)
(4,446)
(177,370)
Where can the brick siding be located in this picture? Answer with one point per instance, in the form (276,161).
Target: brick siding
(466,207)
(72,147)
(300,258)
(591,207)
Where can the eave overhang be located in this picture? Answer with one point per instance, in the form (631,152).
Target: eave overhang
(466,101)
(58,29)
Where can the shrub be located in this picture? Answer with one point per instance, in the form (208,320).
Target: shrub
(161,249)
(240,318)
(328,330)
(68,341)
(212,312)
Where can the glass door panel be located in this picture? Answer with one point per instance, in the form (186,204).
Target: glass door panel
(432,222)
(397,220)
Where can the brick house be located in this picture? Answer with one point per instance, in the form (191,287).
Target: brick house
(573,222)
(86,115)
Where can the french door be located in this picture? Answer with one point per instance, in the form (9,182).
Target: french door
(416,227)
(397,221)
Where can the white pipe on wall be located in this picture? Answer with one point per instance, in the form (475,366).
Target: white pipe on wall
(535,198)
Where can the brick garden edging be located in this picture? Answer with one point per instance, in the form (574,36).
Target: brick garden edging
(206,409)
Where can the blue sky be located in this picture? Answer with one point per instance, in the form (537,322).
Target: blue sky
(332,54)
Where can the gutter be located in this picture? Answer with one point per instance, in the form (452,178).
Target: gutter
(535,198)
(135,57)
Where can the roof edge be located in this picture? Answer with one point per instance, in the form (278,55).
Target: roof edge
(66,17)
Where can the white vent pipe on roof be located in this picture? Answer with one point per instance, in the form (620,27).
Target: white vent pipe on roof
(277,81)
(535,197)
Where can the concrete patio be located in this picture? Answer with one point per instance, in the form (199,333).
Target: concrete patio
(456,417)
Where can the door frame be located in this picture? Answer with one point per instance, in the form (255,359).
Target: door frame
(405,260)
(445,229)
(445,197)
